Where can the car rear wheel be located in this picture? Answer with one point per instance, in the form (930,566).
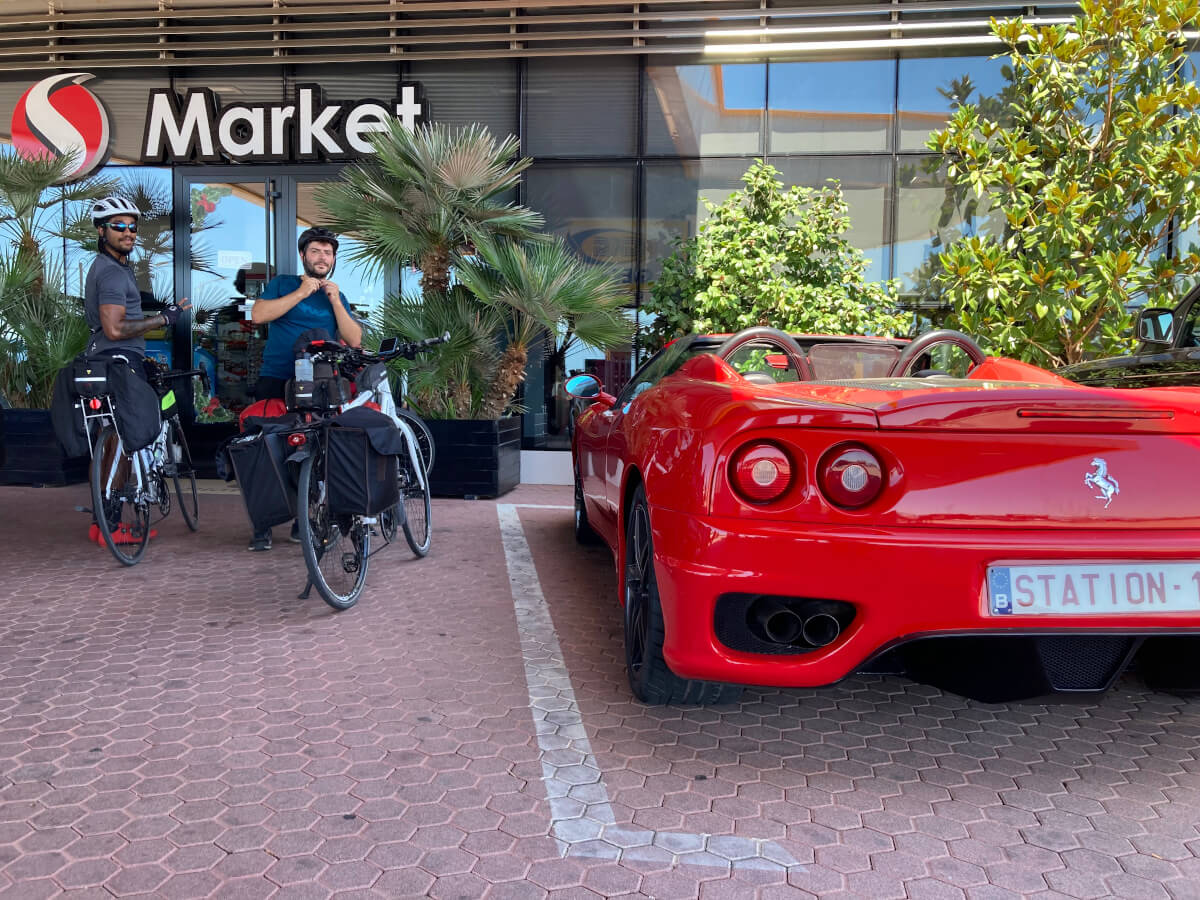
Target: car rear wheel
(649,677)
(584,533)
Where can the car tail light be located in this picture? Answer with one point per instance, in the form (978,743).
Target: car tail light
(760,472)
(850,476)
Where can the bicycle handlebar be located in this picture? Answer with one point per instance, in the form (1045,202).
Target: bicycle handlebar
(172,375)
(335,351)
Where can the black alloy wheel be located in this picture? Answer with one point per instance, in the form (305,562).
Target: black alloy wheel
(650,679)
(584,533)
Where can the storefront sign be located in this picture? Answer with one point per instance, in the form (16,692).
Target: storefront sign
(59,117)
(199,128)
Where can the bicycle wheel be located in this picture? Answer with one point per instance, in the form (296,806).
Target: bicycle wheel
(424,436)
(336,548)
(416,521)
(179,459)
(122,516)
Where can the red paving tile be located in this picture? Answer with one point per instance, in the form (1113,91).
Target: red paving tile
(189,728)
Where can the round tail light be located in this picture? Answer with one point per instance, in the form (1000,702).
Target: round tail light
(851,476)
(761,472)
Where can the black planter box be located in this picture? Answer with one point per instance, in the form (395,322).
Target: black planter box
(31,453)
(475,457)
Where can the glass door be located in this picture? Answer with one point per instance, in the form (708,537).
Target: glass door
(232,255)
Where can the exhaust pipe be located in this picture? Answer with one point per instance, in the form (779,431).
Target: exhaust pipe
(820,630)
(779,624)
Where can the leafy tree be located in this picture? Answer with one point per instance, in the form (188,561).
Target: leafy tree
(774,256)
(427,194)
(1092,169)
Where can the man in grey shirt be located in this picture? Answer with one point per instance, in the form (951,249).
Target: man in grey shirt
(112,305)
(112,301)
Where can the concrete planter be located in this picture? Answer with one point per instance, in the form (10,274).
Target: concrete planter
(30,453)
(475,457)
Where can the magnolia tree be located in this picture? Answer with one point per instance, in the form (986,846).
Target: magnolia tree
(1094,167)
(771,255)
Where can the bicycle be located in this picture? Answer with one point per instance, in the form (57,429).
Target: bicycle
(126,486)
(337,545)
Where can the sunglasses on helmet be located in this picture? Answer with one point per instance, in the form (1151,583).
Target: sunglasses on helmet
(121,227)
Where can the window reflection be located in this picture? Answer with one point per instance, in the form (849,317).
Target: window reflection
(836,106)
(866,186)
(930,89)
(591,206)
(932,214)
(675,195)
(705,110)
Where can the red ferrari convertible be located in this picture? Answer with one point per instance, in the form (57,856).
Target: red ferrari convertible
(788,510)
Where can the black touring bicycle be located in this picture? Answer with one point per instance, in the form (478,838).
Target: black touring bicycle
(346,463)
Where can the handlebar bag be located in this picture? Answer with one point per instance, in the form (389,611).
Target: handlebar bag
(361,463)
(328,389)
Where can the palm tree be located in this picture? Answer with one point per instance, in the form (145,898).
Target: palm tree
(27,203)
(41,329)
(449,383)
(426,195)
(539,288)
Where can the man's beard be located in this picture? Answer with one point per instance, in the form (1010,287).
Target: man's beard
(122,255)
(312,273)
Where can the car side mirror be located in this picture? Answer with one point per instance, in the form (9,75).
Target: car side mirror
(587,387)
(583,387)
(1154,325)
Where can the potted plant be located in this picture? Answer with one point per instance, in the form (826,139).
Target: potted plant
(429,197)
(41,327)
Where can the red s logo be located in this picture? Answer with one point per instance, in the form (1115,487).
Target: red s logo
(60,117)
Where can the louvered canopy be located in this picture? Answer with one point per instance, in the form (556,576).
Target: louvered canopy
(161,33)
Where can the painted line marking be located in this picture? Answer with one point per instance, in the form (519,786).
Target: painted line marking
(581,814)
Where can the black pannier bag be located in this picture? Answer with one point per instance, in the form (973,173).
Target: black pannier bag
(136,404)
(361,463)
(264,476)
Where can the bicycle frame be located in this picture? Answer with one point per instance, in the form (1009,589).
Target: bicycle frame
(381,393)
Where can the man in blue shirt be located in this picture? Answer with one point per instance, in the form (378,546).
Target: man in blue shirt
(294,304)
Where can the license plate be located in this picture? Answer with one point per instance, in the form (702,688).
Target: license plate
(1094,589)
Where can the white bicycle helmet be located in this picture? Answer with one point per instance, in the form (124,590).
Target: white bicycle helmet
(107,207)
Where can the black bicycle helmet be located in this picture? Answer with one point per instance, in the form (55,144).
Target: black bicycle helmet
(317,234)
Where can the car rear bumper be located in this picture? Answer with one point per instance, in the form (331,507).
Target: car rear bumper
(903,584)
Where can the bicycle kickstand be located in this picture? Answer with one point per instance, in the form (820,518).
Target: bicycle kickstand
(303,595)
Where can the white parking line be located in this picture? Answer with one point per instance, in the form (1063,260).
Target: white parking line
(581,813)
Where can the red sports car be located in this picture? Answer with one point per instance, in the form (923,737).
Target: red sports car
(789,510)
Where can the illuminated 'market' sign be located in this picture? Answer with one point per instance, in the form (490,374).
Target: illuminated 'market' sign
(198,128)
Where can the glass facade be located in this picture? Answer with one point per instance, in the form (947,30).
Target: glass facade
(625,151)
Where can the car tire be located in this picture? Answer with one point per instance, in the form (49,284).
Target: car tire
(650,679)
(584,533)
